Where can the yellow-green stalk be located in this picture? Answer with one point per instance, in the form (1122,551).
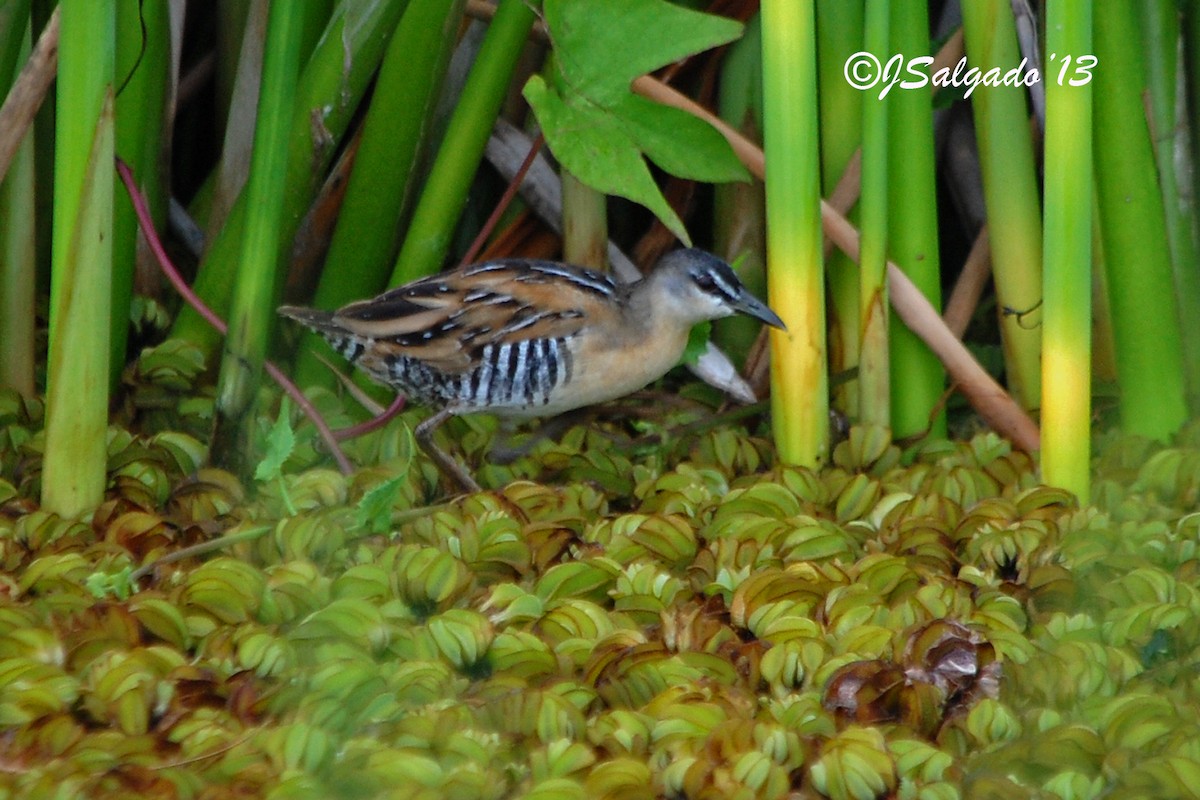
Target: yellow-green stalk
(255,287)
(874,392)
(1066,345)
(795,269)
(73,472)
(1141,291)
(1011,192)
(917,377)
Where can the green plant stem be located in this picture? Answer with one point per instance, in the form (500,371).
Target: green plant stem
(1168,134)
(201,549)
(585,223)
(795,276)
(874,392)
(330,88)
(73,472)
(17,286)
(1011,191)
(386,168)
(739,208)
(840,33)
(42,14)
(1067,352)
(1137,259)
(256,284)
(144,41)
(14,38)
(917,376)
(231,17)
(445,193)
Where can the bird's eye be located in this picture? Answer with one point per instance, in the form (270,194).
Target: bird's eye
(705,281)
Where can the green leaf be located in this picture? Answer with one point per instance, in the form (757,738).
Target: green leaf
(678,142)
(697,342)
(602,47)
(592,145)
(598,129)
(118,584)
(281,441)
(374,510)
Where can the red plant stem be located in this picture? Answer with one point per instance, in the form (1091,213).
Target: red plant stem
(505,200)
(374,423)
(164,262)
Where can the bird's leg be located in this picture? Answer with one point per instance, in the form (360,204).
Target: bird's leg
(506,451)
(448,466)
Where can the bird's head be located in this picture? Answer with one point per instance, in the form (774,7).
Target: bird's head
(695,286)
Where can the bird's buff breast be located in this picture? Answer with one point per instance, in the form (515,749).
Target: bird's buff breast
(601,374)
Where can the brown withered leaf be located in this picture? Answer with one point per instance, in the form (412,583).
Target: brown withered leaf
(208,494)
(697,626)
(945,668)
(140,533)
(954,658)
(102,628)
(865,692)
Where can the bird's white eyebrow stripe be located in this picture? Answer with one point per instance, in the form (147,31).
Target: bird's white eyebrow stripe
(730,292)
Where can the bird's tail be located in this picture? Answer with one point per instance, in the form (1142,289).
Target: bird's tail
(314,319)
(351,347)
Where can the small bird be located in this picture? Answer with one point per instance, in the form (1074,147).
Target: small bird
(526,338)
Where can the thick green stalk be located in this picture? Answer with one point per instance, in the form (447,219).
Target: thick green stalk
(445,191)
(1011,192)
(840,34)
(1137,260)
(73,472)
(330,88)
(874,389)
(143,32)
(254,295)
(17,233)
(917,377)
(1067,345)
(1169,131)
(386,168)
(795,269)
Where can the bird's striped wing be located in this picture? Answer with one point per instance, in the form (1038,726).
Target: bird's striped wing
(447,321)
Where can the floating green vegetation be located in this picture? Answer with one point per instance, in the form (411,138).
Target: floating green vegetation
(631,614)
